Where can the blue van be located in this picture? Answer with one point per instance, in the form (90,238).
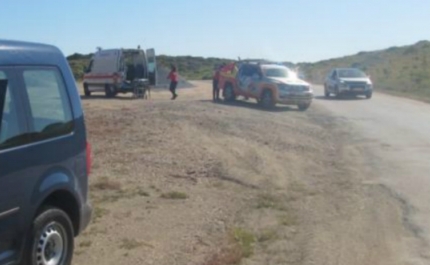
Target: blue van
(44,156)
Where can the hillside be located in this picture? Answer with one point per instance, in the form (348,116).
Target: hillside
(399,70)
(189,67)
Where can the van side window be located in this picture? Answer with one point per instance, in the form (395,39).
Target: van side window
(11,133)
(49,103)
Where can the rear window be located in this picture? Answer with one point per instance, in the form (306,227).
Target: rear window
(49,103)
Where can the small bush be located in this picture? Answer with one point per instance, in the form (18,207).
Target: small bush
(174,195)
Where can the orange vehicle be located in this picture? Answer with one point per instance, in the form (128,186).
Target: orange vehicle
(269,83)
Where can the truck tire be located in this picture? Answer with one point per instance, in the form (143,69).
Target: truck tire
(51,239)
(303,106)
(87,92)
(228,93)
(267,101)
(110,91)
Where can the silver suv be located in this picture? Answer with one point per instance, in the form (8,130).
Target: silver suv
(350,81)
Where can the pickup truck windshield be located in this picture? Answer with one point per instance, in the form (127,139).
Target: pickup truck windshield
(276,72)
(352,73)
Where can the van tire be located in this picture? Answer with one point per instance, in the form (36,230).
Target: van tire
(87,92)
(110,91)
(266,100)
(54,226)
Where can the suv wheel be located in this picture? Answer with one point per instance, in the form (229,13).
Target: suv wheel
(369,95)
(87,92)
(51,239)
(110,91)
(228,93)
(267,99)
(326,92)
(304,106)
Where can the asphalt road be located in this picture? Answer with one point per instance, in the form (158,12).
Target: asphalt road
(396,132)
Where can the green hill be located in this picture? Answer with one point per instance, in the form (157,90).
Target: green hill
(398,70)
(190,67)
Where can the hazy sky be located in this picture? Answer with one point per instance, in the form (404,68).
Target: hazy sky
(299,30)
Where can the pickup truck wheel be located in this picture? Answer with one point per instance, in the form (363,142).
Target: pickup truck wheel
(87,92)
(110,91)
(267,99)
(228,93)
(51,239)
(304,106)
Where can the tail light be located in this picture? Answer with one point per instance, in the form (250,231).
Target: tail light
(89,158)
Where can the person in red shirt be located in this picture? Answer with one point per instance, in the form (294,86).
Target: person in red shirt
(173,77)
(215,82)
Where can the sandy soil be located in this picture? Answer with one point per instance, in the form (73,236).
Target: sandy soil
(195,182)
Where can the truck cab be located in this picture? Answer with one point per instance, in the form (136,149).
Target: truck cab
(113,71)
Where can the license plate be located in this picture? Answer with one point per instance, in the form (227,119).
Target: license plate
(357,88)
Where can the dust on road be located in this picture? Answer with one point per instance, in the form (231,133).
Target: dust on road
(194,182)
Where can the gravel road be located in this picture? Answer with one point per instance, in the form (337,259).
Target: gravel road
(396,133)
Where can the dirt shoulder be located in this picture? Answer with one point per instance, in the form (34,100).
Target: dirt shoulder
(194,182)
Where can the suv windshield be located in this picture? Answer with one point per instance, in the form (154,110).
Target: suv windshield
(351,73)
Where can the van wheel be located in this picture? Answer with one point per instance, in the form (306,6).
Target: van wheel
(267,99)
(110,91)
(304,106)
(87,92)
(228,93)
(51,239)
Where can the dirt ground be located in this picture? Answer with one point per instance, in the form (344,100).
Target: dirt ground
(195,182)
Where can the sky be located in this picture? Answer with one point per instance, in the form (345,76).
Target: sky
(281,30)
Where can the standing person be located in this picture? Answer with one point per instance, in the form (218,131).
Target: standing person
(173,77)
(215,81)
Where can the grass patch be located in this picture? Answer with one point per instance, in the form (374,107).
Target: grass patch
(246,241)
(265,201)
(107,184)
(130,244)
(85,244)
(99,213)
(174,195)
(288,219)
(143,193)
(267,235)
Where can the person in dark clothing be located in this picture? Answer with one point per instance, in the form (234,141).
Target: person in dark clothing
(173,77)
(215,88)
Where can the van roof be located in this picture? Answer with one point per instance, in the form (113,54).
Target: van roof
(28,53)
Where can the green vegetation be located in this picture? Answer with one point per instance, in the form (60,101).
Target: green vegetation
(246,240)
(398,70)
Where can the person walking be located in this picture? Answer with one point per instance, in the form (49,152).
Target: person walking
(215,81)
(173,77)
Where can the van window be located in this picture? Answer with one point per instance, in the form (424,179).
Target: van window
(49,103)
(11,133)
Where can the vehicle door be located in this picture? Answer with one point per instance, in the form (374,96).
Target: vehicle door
(152,66)
(13,159)
(140,65)
(255,80)
(244,78)
(333,80)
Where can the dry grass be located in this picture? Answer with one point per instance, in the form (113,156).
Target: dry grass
(174,195)
(130,244)
(86,243)
(105,183)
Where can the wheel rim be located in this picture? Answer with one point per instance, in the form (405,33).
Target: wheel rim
(51,245)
